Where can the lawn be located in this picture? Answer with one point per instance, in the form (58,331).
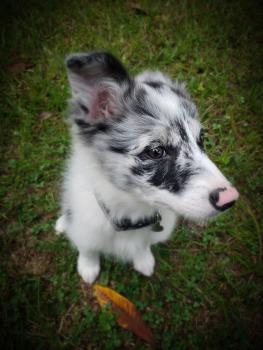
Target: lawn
(207,290)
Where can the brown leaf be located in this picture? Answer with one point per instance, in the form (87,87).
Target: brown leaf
(20,67)
(128,316)
(45,115)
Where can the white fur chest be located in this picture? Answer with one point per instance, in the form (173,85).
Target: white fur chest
(89,228)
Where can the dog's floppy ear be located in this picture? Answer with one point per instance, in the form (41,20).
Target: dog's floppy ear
(96,80)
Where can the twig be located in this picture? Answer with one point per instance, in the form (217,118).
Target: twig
(64,317)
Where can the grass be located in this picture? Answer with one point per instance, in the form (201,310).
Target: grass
(206,292)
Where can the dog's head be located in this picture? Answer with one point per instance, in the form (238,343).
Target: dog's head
(146,136)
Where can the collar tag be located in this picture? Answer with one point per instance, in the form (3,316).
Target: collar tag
(157,227)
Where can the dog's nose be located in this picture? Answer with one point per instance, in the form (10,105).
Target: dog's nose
(223,198)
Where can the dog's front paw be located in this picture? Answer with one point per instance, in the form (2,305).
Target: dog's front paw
(87,270)
(144,263)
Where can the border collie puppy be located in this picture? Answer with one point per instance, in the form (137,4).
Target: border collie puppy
(137,163)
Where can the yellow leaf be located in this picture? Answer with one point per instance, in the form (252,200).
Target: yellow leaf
(127,315)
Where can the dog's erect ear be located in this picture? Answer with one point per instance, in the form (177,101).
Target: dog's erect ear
(95,80)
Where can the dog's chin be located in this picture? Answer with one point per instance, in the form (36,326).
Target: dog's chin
(197,216)
(213,214)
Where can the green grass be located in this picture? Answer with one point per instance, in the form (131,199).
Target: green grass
(207,289)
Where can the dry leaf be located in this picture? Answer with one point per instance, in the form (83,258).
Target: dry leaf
(20,67)
(128,316)
(45,115)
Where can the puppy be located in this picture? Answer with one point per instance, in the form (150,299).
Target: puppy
(137,163)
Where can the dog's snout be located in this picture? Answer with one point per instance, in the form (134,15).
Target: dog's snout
(223,198)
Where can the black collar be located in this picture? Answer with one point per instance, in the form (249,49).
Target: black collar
(125,223)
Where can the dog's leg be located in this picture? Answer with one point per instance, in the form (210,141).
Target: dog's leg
(89,266)
(144,262)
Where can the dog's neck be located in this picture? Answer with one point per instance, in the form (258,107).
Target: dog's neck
(120,203)
(125,223)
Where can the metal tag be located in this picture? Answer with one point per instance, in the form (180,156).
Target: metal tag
(157,227)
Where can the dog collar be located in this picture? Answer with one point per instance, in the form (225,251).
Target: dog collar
(125,223)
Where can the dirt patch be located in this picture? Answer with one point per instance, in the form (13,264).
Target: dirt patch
(31,262)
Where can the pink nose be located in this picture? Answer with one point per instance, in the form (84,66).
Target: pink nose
(223,198)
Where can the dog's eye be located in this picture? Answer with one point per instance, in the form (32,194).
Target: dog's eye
(156,152)
(201,139)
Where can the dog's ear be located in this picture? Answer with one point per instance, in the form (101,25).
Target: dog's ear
(96,79)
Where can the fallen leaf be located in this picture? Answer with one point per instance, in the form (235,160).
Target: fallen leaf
(128,316)
(20,67)
(45,115)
